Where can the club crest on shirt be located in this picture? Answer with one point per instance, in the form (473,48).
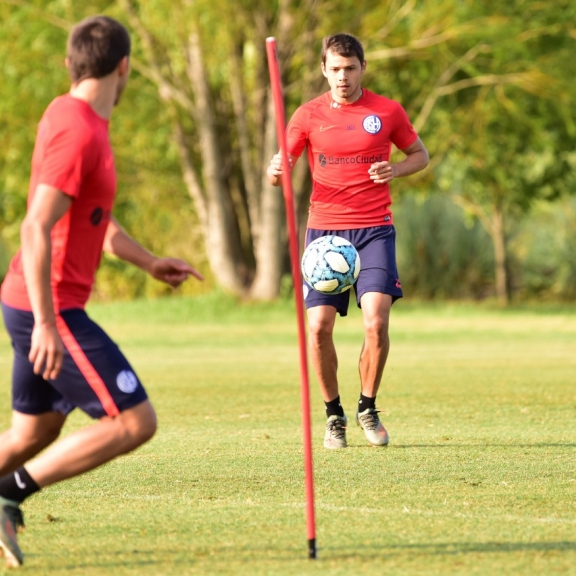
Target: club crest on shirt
(372,124)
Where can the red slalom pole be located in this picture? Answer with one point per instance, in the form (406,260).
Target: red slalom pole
(276,84)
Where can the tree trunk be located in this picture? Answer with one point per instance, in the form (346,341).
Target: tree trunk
(500,256)
(251,183)
(269,247)
(223,246)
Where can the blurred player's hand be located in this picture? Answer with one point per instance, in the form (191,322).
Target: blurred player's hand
(173,271)
(46,350)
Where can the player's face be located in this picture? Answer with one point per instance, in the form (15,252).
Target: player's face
(344,76)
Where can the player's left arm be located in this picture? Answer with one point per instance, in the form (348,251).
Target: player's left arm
(416,159)
(119,243)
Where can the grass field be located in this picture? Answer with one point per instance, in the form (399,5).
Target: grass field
(479,478)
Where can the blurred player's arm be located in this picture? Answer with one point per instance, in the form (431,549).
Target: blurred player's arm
(47,206)
(119,243)
(274,171)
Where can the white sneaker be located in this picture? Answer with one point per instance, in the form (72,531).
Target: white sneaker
(335,436)
(374,431)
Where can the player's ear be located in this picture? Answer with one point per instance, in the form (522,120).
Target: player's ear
(323,66)
(124,66)
(363,67)
(67,62)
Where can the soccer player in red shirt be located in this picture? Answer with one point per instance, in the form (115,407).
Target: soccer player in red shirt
(348,132)
(62,359)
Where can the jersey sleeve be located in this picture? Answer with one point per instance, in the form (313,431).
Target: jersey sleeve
(403,133)
(297,132)
(66,158)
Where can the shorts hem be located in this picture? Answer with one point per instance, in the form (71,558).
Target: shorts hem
(394,292)
(39,411)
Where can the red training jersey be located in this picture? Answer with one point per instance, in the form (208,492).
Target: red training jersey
(342,142)
(72,153)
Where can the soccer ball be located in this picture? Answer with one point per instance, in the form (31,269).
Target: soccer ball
(330,264)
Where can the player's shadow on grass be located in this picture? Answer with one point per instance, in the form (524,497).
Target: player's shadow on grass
(248,554)
(450,548)
(449,444)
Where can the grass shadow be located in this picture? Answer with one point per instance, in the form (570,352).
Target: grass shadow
(453,548)
(449,444)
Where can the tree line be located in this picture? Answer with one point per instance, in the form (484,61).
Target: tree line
(488,86)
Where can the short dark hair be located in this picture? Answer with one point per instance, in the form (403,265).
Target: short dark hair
(343,44)
(95,47)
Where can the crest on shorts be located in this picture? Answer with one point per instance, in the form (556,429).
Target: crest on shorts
(372,124)
(127,381)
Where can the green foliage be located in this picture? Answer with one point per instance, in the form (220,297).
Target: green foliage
(5,256)
(152,203)
(444,252)
(544,249)
(489,84)
(26,90)
(441,254)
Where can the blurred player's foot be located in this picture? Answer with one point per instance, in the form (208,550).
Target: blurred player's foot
(335,436)
(10,520)
(374,431)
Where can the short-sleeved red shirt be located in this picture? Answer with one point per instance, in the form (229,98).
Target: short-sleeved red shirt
(342,143)
(72,153)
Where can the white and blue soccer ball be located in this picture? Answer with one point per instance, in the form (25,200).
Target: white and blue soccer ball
(330,264)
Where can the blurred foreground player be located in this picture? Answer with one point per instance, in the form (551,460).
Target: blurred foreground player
(62,359)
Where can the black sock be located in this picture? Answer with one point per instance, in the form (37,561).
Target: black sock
(365,402)
(18,485)
(334,408)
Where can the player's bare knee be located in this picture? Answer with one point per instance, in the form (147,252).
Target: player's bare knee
(26,441)
(32,433)
(138,424)
(376,328)
(320,329)
(51,435)
(146,428)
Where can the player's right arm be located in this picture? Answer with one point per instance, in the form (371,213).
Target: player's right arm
(275,171)
(296,139)
(47,206)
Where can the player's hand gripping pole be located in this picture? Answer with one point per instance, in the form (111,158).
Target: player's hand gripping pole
(297,279)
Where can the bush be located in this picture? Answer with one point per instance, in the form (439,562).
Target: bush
(441,253)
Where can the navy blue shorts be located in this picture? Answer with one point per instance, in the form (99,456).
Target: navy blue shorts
(378,272)
(95,377)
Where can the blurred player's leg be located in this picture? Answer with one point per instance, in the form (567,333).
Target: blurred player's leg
(28,435)
(75,454)
(94,445)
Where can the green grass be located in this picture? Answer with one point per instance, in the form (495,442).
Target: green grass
(480,476)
